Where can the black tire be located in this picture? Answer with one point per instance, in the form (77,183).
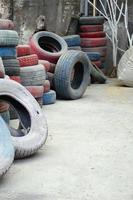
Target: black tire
(33,75)
(11,63)
(72,75)
(12,71)
(8,38)
(99,20)
(97,76)
(72,40)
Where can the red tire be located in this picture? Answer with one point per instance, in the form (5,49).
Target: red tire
(6,24)
(36,91)
(101,50)
(46,86)
(16,78)
(4,107)
(91,28)
(52,67)
(99,34)
(23,50)
(97,63)
(48,46)
(93,42)
(28,60)
(46,64)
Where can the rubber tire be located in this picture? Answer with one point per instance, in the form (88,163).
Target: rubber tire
(78,48)
(12,71)
(97,75)
(36,91)
(93,56)
(7,149)
(8,38)
(50,78)
(55,41)
(91,28)
(46,86)
(30,60)
(2,69)
(93,42)
(99,34)
(72,40)
(33,75)
(49,97)
(16,78)
(6,24)
(6,116)
(8,52)
(98,20)
(31,118)
(11,63)
(52,67)
(98,63)
(23,50)
(46,64)
(63,73)
(101,50)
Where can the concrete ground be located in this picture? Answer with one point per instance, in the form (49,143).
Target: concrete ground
(88,154)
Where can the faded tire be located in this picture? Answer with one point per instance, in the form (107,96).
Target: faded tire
(97,75)
(8,52)
(6,24)
(29,60)
(8,38)
(23,50)
(48,46)
(91,20)
(91,28)
(6,148)
(49,97)
(72,40)
(93,56)
(93,42)
(72,75)
(99,34)
(31,117)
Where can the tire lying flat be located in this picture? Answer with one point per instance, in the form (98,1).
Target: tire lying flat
(91,20)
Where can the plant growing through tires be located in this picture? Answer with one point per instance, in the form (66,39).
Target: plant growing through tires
(113,13)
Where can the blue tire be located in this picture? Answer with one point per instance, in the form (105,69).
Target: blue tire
(93,56)
(8,52)
(72,40)
(49,97)
(6,148)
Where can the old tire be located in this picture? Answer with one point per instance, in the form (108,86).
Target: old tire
(50,77)
(46,64)
(16,78)
(97,75)
(91,28)
(29,60)
(98,63)
(6,148)
(46,87)
(99,34)
(72,75)
(31,118)
(36,91)
(33,75)
(23,50)
(6,24)
(101,50)
(48,46)
(72,40)
(49,97)
(12,71)
(11,63)
(93,56)
(77,48)
(91,20)
(8,52)
(8,38)
(93,42)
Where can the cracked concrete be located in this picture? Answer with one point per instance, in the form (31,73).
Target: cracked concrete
(88,155)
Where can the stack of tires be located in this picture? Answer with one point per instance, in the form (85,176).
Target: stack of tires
(73,42)
(33,74)
(8,41)
(49,47)
(93,39)
(4,107)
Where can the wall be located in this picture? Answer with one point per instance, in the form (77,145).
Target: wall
(25,13)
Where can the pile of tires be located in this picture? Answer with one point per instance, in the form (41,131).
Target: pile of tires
(49,47)
(73,42)
(93,39)
(8,41)
(32,73)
